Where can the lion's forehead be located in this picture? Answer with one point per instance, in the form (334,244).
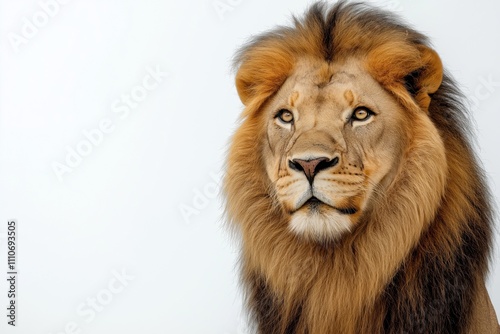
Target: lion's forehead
(328,86)
(312,99)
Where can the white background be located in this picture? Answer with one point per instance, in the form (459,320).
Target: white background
(120,207)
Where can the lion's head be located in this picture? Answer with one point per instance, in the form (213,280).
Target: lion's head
(334,138)
(352,156)
(335,129)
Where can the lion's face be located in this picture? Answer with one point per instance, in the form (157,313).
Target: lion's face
(334,139)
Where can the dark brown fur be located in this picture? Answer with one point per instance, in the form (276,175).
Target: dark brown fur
(434,288)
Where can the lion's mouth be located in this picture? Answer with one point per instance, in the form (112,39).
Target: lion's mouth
(314,203)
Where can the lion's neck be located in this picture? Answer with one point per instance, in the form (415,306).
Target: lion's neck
(332,289)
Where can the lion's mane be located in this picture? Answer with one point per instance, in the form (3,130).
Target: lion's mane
(390,275)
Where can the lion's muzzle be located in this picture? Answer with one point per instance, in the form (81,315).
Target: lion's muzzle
(312,166)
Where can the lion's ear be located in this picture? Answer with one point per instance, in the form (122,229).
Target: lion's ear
(261,71)
(417,69)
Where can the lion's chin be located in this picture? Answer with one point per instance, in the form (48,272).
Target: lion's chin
(320,224)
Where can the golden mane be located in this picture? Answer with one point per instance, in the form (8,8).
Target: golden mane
(412,268)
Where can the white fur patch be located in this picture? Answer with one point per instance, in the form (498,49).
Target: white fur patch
(320,225)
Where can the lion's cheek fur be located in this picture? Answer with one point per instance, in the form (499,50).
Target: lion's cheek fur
(423,173)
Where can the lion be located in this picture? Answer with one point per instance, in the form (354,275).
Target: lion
(352,183)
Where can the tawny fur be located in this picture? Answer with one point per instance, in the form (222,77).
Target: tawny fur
(416,264)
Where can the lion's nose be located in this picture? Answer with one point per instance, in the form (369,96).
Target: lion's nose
(312,167)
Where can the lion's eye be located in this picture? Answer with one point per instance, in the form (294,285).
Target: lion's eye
(285,116)
(361,114)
